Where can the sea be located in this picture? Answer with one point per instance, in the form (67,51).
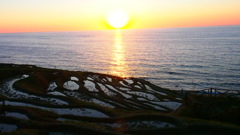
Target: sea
(175,58)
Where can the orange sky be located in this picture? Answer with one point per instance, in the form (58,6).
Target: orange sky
(75,15)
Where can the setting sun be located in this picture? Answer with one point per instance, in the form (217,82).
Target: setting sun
(117,19)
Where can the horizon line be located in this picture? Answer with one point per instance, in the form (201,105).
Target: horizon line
(121,29)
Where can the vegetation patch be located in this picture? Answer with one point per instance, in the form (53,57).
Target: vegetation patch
(219,108)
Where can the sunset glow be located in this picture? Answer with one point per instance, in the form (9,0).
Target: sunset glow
(76,15)
(117,19)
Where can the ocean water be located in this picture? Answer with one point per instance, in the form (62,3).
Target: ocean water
(179,58)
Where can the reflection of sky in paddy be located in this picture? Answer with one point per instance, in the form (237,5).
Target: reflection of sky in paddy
(118,64)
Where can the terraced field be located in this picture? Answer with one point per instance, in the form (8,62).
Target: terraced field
(51,101)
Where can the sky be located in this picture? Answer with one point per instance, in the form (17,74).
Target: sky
(76,15)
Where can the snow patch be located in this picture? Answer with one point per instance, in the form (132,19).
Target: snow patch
(161,93)
(102,103)
(57,93)
(74,78)
(89,78)
(151,124)
(171,105)
(142,94)
(152,90)
(141,99)
(106,90)
(52,86)
(104,80)
(137,86)
(141,124)
(71,111)
(121,82)
(124,94)
(129,81)
(156,107)
(165,99)
(71,85)
(124,89)
(17,115)
(90,86)
(178,98)
(24,76)
(139,83)
(7,90)
(109,79)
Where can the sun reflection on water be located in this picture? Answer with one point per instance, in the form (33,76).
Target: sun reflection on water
(119,66)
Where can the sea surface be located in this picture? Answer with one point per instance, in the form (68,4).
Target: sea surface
(177,58)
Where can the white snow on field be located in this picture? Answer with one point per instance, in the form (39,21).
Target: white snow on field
(121,82)
(7,90)
(71,85)
(95,77)
(178,98)
(17,115)
(25,76)
(72,94)
(139,83)
(113,125)
(141,124)
(133,104)
(80,112)
(142,94)
(56,93)
(106,90)
(161,93)
(104,80)
(141,99)
(52,86)
(156,107)
(7,127)
(124,89)
(152,90)
(63,119)
(78,95)
(102,103)
(129,81)
(150,124)
(137,86)
(124,94)
(89,78)
(74,78)
(171,105)
(90,86)
(109,79)
(111,87)
(148,87)
(71,111)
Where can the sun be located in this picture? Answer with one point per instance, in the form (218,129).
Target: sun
(117,19)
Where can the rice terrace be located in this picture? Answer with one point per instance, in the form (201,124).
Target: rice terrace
(37,100)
